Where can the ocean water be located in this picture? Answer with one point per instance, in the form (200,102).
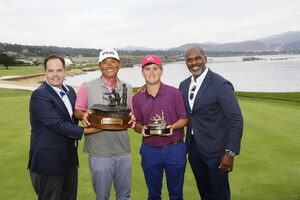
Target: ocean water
(274,73)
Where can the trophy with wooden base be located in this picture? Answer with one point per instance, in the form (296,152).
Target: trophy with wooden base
(159,125)
(114,116)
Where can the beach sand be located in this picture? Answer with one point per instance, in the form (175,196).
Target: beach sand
(17,82)
(30,82)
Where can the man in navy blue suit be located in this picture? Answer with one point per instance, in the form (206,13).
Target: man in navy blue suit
(53,159)
(215,126)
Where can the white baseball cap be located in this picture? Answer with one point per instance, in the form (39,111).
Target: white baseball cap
(108,53)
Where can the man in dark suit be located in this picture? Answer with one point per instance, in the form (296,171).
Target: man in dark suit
(53,156)
(215,126)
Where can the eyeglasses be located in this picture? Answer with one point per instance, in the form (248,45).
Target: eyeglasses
(192,92)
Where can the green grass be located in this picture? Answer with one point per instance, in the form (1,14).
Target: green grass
(29,70)
(267,169)
(285,96)
(21,70)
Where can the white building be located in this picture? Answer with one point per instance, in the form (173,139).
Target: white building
(68,61)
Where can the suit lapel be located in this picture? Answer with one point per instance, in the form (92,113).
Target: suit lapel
(186,94)
(203,87)
(72,98)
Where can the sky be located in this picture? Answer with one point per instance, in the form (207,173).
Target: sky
(143,23)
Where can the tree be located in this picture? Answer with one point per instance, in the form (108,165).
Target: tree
(6,60)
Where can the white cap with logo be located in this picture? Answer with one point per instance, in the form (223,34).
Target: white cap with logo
(108,53)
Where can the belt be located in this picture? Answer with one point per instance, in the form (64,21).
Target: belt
(168,145)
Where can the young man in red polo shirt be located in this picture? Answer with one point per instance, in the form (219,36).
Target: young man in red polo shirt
(165,152)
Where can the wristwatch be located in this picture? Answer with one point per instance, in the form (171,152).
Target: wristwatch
(231,153)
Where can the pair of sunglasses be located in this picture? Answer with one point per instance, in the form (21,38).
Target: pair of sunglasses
(192,94)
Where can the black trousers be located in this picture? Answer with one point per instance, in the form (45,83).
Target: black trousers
(54,187)
(211,184)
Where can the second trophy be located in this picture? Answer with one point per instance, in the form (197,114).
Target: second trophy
(159,125)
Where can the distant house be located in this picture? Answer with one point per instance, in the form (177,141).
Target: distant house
(68,61)
(25,61)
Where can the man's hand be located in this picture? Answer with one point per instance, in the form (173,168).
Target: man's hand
(168,134)
(90,130)
(132,120)
(143,132)
(85,120)
(226,164)
(143,88)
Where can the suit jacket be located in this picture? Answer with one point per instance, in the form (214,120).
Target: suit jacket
(216,118)
(54,134)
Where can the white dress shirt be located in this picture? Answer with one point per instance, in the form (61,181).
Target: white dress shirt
(63,95)
(198,84)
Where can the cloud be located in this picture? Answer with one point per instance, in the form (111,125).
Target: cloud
(156,23)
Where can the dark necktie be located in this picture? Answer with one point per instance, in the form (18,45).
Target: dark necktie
(62,94)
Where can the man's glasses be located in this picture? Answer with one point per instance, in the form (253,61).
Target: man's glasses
(192,92)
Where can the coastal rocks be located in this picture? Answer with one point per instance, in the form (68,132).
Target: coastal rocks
(74,72)
(279,58)
(251,58)
(88,69)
